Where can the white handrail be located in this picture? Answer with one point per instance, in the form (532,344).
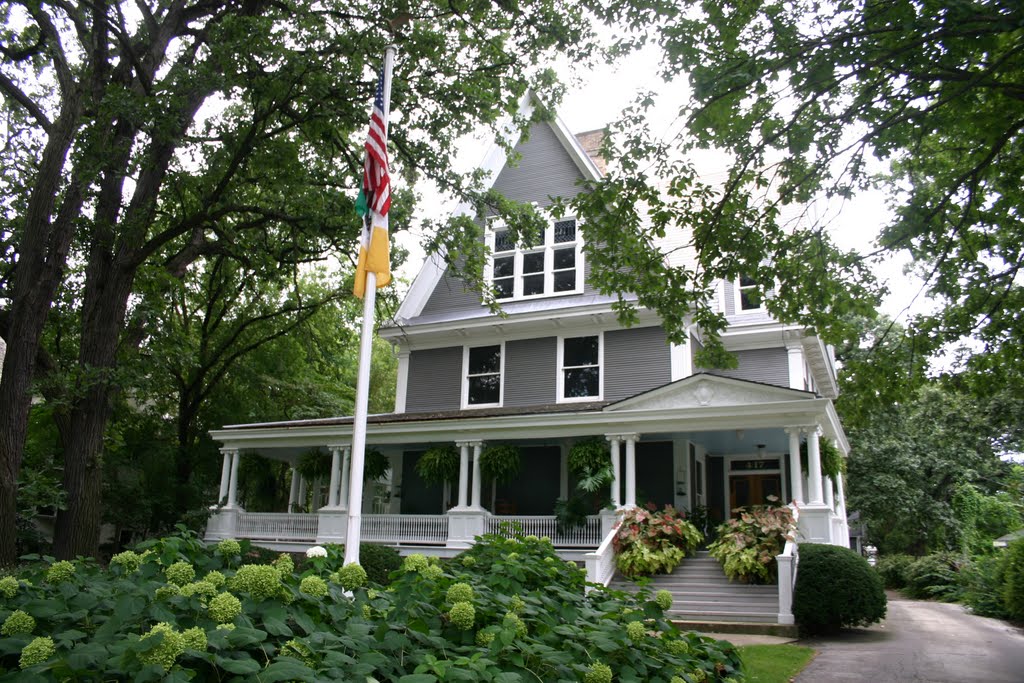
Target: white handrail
(787,564)
(601,563)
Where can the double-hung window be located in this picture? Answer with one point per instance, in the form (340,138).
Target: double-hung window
(579,368)
(748,295)
(483,366)
(554,266)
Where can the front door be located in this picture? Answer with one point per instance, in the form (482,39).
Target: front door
(753,489)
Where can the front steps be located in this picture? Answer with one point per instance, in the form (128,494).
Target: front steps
(703,598)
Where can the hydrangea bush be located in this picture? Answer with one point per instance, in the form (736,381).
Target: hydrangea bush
(515,609)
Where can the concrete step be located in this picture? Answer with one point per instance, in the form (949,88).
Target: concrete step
(722,629)
(722,616)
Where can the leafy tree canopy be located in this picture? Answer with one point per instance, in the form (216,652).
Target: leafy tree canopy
(804,100)
(152,135)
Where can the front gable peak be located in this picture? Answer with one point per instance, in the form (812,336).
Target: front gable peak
(705,390)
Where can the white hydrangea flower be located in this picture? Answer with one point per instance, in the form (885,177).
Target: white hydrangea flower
(317,551)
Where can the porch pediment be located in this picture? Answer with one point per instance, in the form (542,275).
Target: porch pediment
(705,390)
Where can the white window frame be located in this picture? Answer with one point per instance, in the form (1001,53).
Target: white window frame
(466,405)
(738,299)
(560,379)
(548,248)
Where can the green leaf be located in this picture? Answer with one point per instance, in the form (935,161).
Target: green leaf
(238,666)
(418,678)
(286,669)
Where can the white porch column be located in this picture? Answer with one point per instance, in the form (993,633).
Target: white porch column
(478,448)
(314,503)
(814,468)
(293,492)
(332,490)
(302,492)
(616,474)
(631,440)
(830,498)
(233,486)
(225,475)
(346,464)
(463,474)
(795,475)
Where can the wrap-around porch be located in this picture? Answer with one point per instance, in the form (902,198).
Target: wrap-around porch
(708,443)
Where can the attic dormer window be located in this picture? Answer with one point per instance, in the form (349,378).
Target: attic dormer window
(551,268)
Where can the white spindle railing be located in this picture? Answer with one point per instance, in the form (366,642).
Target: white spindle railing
(429,529)
(277,526)
(601,563)
(586,536)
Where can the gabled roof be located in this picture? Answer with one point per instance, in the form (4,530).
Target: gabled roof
(492,164)
(707,390)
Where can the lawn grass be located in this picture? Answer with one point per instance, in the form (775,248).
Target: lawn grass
(774,663)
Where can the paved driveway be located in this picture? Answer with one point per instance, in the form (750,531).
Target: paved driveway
(920,642)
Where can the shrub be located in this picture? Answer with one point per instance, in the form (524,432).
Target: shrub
(650,542)
(1013,586)
(935,576)
(893,569)
(746,546)
(983,581)
(836,588)
(528,619)
(379,561)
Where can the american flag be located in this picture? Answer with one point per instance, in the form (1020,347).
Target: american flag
(376,182)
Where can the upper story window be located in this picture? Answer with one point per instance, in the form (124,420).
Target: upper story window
(579,368)
(748,295)
(483,369)
(553,267)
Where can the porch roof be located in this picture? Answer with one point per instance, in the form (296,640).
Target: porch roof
(700,403)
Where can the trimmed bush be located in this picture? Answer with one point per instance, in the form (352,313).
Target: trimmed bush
(934,577)
(1013,586)
(893,569)
(379,561)
(836,588)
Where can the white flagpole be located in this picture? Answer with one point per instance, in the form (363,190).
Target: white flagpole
(355,480)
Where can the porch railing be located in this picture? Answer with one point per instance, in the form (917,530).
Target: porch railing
(586,536)
(410,529)
(601,563)
(788,563)
(277,526)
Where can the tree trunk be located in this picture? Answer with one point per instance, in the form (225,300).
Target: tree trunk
(42,255)
(103,313)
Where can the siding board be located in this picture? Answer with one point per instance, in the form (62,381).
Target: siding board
(770,366)
(435,380)
(530,371)
(635,360)
(544,170)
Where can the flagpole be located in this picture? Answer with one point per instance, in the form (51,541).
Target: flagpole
(355,496)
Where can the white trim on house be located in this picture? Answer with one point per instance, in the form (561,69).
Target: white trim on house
(526,324)
(466,405)
(737,298)
(548,249)
(402,379)
(560,396)
(678,413)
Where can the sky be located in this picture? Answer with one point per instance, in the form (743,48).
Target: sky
(595,98)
